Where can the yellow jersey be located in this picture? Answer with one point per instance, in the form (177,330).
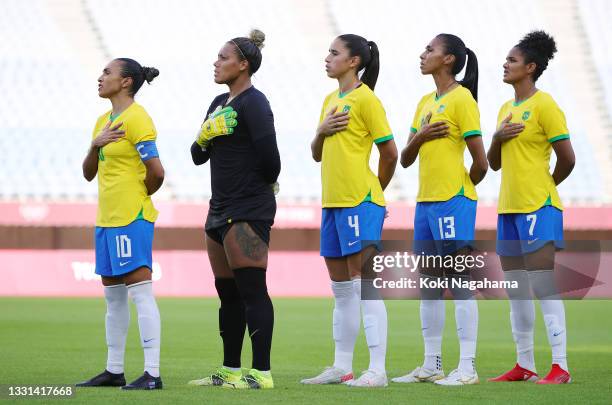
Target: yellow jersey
(346,176)
(442,173)
(527,184)
(122,194)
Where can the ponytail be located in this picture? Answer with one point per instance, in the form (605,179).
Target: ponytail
(370,74)
(368,54)
(455,46)
(470,79)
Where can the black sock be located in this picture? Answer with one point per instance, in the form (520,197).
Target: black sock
(232,321)
(251,283)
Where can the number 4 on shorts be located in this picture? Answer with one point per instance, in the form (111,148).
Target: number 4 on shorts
(353,222)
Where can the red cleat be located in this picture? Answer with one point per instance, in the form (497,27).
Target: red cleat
(518,373)
(556,376)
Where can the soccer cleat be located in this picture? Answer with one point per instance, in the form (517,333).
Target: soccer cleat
(255,379)
(145,382)
(370,379)
(456,377)
(556,376)
(331,375)
(518,373)
(420,374)
(104,379)
(220,377)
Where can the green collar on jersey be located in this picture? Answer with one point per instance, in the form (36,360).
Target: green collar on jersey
(517,103)
(437,98)
(341,94)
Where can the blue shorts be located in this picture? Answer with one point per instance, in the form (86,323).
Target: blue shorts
(445,221)
(124,249)
(346,231)
(521,234)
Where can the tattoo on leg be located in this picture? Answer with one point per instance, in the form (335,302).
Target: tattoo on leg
(250,244)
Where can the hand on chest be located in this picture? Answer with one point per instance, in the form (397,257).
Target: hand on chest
(533,132)
(442,113)
(117,150)
(120,149)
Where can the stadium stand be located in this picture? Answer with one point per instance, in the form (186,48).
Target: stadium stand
(492,31)
(49,103)
(598,13)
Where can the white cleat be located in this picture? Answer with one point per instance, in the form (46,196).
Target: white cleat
(331,375)
(420,375)
(371,379)
(456,377)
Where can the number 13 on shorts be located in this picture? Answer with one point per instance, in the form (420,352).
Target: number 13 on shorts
(353,222)
(446,226)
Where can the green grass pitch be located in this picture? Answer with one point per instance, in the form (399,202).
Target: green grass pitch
(61,341)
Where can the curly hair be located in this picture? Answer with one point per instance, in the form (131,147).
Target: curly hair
(537,47)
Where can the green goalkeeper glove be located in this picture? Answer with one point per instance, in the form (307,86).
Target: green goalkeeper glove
(219,123)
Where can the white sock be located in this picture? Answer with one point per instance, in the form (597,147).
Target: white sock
(375,327)
(522,317)
(432,324)
(553,311)
(466,318)
(374,315)
(346,321)
(117,323)
(433,313)
(554,317)
(149,324)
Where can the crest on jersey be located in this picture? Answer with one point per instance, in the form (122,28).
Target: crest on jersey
(346,108)
(526,115)
(441,109)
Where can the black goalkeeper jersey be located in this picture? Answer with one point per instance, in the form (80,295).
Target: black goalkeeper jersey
(243,165)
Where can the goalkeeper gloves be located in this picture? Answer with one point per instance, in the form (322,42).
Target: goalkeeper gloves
(219,123)
(275,188)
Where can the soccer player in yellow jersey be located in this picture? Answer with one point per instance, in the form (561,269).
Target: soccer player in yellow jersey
(352,120)
(446,121)
(124,156)
(530,220)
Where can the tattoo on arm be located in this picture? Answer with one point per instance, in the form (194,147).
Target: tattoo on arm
(250,244)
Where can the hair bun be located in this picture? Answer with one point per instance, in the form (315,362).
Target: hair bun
(150,73)
(258,37)
(541,42)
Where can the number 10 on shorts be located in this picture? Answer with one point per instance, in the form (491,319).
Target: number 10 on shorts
(353,222)
(124,246)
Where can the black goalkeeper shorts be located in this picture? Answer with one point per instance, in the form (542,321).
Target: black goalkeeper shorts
(261,228)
